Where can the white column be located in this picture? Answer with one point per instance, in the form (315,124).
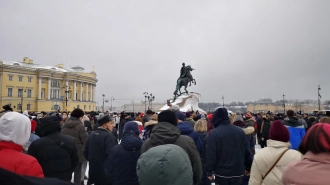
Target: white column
(49,87)
(81,91)
(74,90)
(86,92)
(91,98)
(39,92)
(66,89)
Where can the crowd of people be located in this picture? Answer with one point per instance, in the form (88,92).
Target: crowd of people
(166,148)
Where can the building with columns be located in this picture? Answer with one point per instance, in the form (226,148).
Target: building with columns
(28,86)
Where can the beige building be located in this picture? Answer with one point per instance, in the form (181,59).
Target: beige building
(279,109)
(28,86)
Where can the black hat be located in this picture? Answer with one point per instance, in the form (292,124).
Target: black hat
(168,116)
(104,119)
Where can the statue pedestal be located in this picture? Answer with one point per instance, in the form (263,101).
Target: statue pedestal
(186,102)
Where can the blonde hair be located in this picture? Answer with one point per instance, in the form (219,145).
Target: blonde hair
(200,126)
(154,117)
(84,118)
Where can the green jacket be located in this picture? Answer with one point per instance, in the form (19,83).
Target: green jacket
(166,133)
(165,165)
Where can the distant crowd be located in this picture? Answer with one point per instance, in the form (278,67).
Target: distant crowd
(166,148)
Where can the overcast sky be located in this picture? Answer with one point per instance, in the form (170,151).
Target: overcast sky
(244,50)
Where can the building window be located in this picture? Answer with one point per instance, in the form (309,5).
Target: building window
(54,94)
(82,96)
(20,78)
(29,93)
(76,96)
(29,79)
(55,83)
(28,107)
(10,78)
(10,92)
(84,107)
(56,107)
(20,92)
(78,106)
(19,106)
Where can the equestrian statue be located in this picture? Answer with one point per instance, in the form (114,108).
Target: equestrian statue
(184,79)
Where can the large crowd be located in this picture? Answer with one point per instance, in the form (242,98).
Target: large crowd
(166,148)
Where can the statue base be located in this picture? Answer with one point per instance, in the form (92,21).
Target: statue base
(186,102)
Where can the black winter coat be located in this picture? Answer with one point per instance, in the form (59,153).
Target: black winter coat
(56,153)
(121,164)
(121,128)
(266,128)
(227,152)
(97,150)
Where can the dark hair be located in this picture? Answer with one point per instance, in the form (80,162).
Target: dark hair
(316,140)
(290,113)
(77,113)
(149,112)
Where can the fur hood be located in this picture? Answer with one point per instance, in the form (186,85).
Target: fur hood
(151,122)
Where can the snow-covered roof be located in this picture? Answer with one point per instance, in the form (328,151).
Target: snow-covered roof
(38,66)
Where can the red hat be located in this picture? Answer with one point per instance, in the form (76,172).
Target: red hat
(209,117)
(279,132)
(248,115)
(33,125)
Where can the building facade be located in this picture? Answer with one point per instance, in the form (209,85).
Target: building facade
(32,87)
(280,109)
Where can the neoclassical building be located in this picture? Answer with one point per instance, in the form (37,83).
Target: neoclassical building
(33,87)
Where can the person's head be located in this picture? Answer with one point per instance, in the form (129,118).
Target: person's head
(49,124)
(325,119)
(183,64)
(316,140)
(166,165)
(181,116)
(279,132)
(238,117)
(106,122)
(64,114)
(248,116)
(77,113)
(290,113)
(154,117)
(138,119)
(188,115)
(220,116)
(15,127)
(305,115)
(149,112)
(7,108)
(132,128)
(168,116)
(200,126)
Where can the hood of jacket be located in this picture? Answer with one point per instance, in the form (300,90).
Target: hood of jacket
(249,122)
(156,165)
(185,128)
(164,133)
(277,144)
(247,129)
(131,142)
(151,122)
(292,122)
(49,124)
(220,117)
(72,122)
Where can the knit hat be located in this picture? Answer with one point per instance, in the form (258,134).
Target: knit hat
(238,116)
(248,115)
(181,116)
(15,127)
(187,114)
(209,117)
(168,116)
(279,132)
(131,127)
(104,119)
(220,116)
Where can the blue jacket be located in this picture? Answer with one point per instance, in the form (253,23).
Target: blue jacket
(187,130)
(227,152)
(121,164)
(296,130)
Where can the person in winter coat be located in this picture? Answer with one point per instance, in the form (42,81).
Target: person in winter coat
(97,150)
(6,108)
(170,166)
(264,130)
(264,159)
(190,120)
(296,129)
(149,126)
(75,128)
(314,167)
(56,153)
(166,132)
(121,164)
(201,127)
(187,130)
(311,121)
(123,120)
(210,126)
(227,152)
(33,136)
(15,131)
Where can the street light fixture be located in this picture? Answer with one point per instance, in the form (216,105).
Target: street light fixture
(283,103)
(319,97)
(22,99)
(150,99)
(145,101)
(103,101)
(67,88)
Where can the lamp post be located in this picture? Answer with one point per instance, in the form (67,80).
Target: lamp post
(283,105)
(319,97)
(22,99)
(145,101)
(103,102)
(67,88)
(223,101)
(112,98)
(150,99)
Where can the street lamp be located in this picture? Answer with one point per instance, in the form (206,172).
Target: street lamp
(112,98)
(67,88)
(145,101)
(150,99)
(223,101)
(22,99)
(319,97)
(283,103)
(103,101)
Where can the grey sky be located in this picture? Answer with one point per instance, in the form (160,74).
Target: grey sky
(244,50)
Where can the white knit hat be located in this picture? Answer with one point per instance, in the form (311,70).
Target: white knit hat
(15,127)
